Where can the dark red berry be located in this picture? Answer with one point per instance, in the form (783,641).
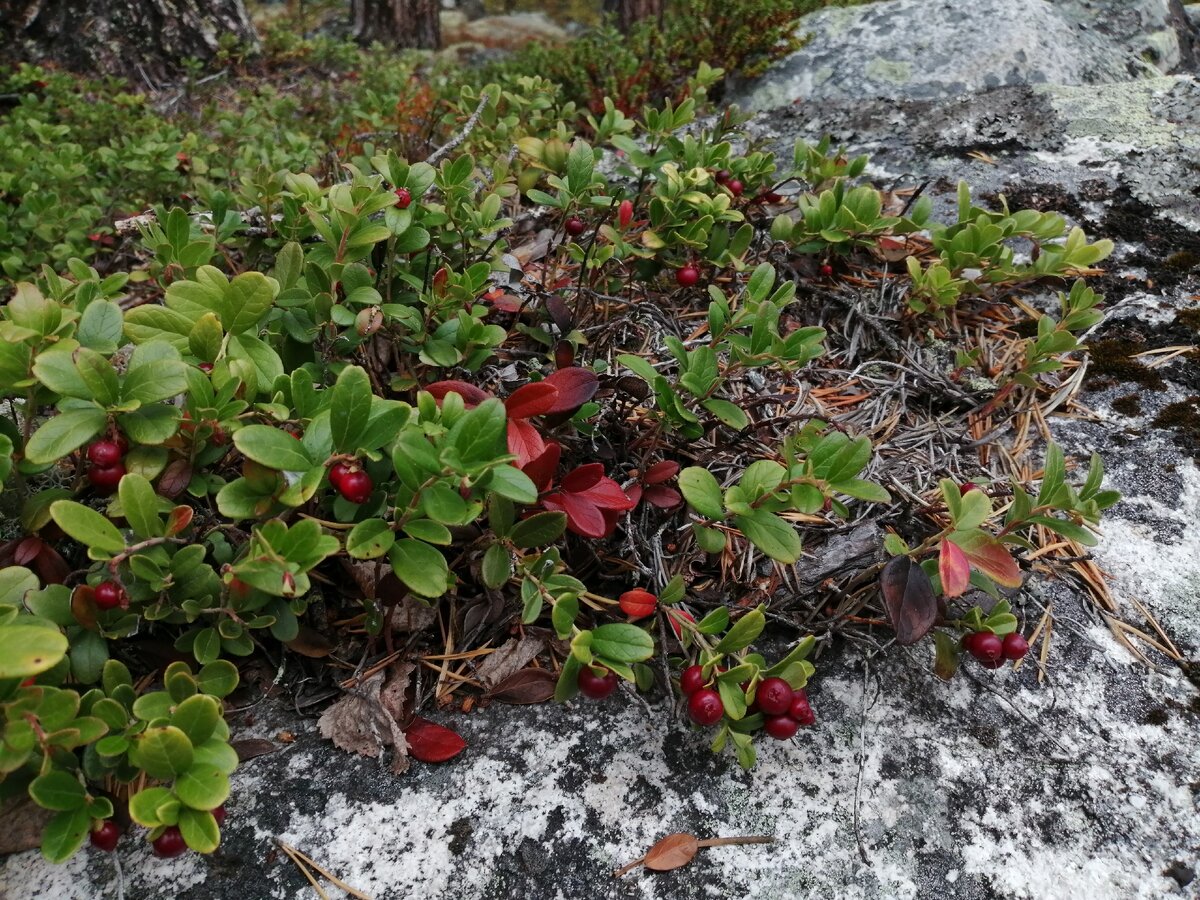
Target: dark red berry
(170,843)
(1015,646)
(723,176)
(827,270)
(106,478)
(801,711)
(597,687)
(105,836)
(574,226)
(705,707)
(735,187)
(968,486)
(968,641)
(781,727)
(109,595)
(691,680)
(687,276)
(104,453)
(219,815)
(356,486)
(205,367)
(403,198)
(987,647)
(774,696)
(337,472)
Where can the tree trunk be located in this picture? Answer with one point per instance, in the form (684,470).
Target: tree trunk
(630,11)
(139,39)
(398,23)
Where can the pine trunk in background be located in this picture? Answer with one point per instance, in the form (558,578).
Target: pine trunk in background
(139,39)
(628,12)
(398,23)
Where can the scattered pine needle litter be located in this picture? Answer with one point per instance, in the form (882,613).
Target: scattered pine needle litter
(677,850)
(305,863)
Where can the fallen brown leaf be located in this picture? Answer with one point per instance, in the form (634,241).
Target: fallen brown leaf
(361,722)
(525,686)
(310,642)
(677,850)
(512,655)
(249,748)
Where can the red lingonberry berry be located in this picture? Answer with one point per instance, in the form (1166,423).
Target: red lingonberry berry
(170,843)
(104,453)
(574,226)
(800,709)
(687,276)
(735,187)
(723,176)
(219,815)
(109,595)
(105,836)
(403,198)
(691,680)
(356,486)
(106,478)
(781,727)
(987,647)
(705,707)
(597,687)
(967,486)
(625,213)
(1015,646)
(826,270)
(205,367)
(774,696)
(638,604)
(337,473)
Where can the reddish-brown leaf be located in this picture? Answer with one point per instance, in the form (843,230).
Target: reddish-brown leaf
(432,743)
(908,598)
(311,643)
(472,396)
(83,606)
(179,519)
(51,567)
(954,569)
(175,478)
(637,604)
(525,686)
(560,313)
(531,400)
(27,551)
(576,386)
(541,469)
(581,478)
(249,748)
(564,355)
(583,516)
(661,471)
(524,442)
(990,557)
(607,494)
(663,497)
(672,852)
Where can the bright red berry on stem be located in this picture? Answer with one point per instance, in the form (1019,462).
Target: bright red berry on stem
(337,472)
(106,478)
(105,836)
(987,647)
(355,486)
(109,595)
(735,187)
(827,270)
(687,276)
(691,680)
(574,226)
(705,707)
(403,198)
(104,453)
(170,843)
(774,696)
(1015,646)
(638,604)
(781,727)
(597,687)
(800,710)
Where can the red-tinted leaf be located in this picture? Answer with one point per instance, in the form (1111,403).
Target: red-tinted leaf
(83,606)
(576,386)
(610,517)
(661,471)
(472,396)
(27,551)
(175,478)
(671,852)
(674,616)
(635,493)
(439,281)
(525,686)
(908,598)
(954,569)
(432,743)
(607,494)
(251,748)
(51,567)
(582,478)
(524,442)
(541,469)
(531,400)
(990,557)
(637,604)
(179,519)
(583,517)
(663,497)
(564,355)
(504,302)
(560,313)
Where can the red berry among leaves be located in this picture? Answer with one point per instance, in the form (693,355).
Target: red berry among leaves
(687,276)
(597,687)
(219,815)
(170,843)
(967,487)
(403,198)
(987,648)
(205,367)
(109,595)
(723,176)
(735,187)
(781,727)
(574,226)
(826,270)
(337,473)
(105,837)
(801,711)
(355,486)
(691,680)
(106,478)
(774,696)
(637,604)
(625,213)
(1015,646)
(104,453)
(705,707)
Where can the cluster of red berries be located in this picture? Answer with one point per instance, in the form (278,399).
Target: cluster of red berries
(784,710)
(106,469)
(167,845)
(991,650)
(110,595)
(351,482)
(731,184)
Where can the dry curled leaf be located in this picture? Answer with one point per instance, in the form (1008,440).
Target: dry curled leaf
(525,686)
(512,655)
(672,852)
(361,723)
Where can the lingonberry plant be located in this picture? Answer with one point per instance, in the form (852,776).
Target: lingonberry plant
(603,386)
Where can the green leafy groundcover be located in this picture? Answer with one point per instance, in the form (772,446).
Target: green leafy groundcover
(327,399)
